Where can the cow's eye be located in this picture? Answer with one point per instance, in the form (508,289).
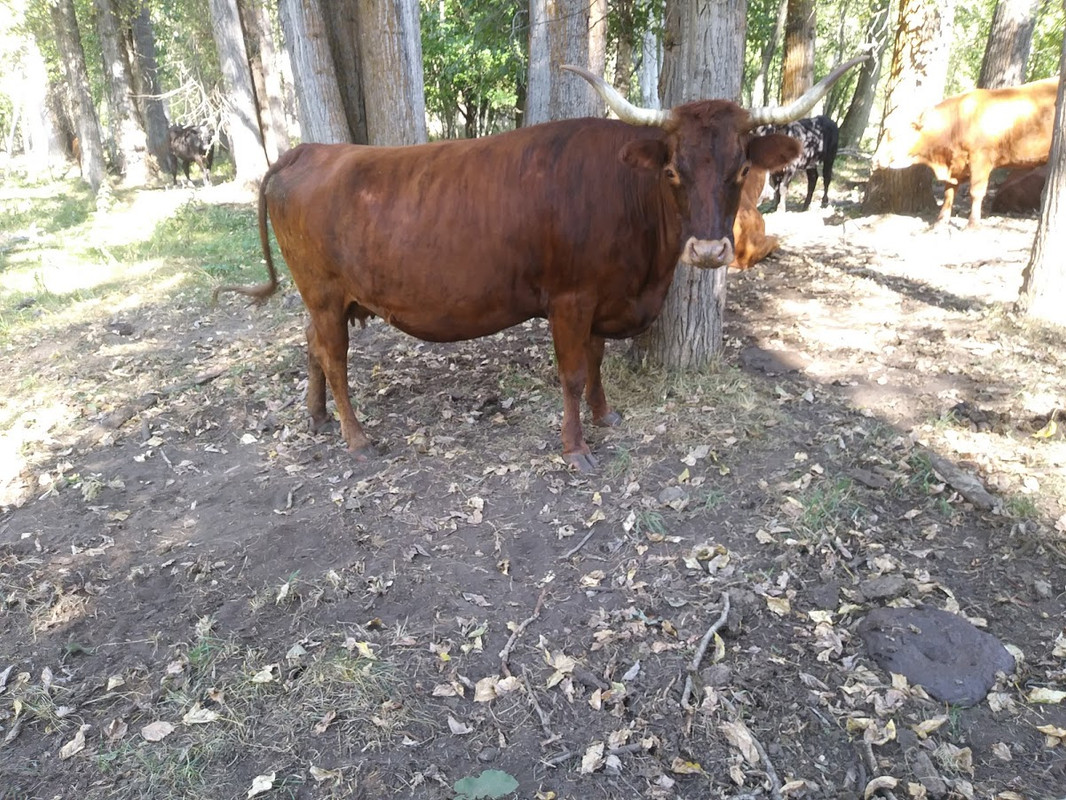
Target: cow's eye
(671,174)
(743,172)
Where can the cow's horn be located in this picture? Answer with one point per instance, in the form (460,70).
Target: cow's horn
(779,115)
(626,111)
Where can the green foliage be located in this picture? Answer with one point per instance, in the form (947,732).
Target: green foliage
(1047,41)
(490,784)
(474,62)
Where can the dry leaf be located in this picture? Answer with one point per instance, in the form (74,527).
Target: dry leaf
(457,727)
(199,716)
(75,745)
(116,729)
(779,605)
(156,731)
(321,775)
(262,784)
(1045,695)
(738,735)
(320,727)
(593,759)
(265,675)
(879,783)
(681,767)
(485,690)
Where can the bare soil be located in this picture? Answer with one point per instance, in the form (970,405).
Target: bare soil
(200,598)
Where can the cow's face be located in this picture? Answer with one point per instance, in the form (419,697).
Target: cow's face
(904,145)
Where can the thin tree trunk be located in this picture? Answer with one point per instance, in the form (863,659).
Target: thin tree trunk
(145,71)
(72,62)
(1043,292)
(704,57)
(760,90)
(568,43)
(598,39)
(857,117)
(623,63)
(797,69)
(1010,38)
(390,51)
(650,66)
(131,142)
(538,85)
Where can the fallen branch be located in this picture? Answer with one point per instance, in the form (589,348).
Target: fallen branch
(578,546)
(505,654)
(771,773)
(693,668)
(119,417)
(545,720)
(633,747)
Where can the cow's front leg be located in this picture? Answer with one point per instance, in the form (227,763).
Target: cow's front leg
(602,414)
(949,201)
(978,189)
(327,343)
(570,335)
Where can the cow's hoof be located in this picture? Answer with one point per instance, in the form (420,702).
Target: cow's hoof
(581,462)
(324,425)
(611,420)
(363,453)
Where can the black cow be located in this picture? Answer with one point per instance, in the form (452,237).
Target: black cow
(819,138)
(188,144)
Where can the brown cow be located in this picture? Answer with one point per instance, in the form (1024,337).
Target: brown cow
(1021,192)
(581,221)
(751,244)
(969,135)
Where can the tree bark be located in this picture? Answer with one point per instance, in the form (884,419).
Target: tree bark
(131,141)
(145,70)
(249,157)
(797,69)
(343,35)
(72,63)
(1010,38)
(319,102)
(1043,292)
(650,66)
(857,117)
(559,34)
(390,52)
(916,81)
(266,77)
(704,57)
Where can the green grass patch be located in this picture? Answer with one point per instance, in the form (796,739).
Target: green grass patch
(56,207)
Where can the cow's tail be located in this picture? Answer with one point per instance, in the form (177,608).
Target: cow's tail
(259,292)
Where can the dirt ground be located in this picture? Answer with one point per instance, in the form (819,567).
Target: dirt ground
(200,598)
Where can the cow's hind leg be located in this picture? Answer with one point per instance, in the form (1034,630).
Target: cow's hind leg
(812,182)
(570,335)
(327,347)
(602,414)
(949,200)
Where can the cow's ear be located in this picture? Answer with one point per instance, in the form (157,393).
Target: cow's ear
(773,152)
(645,154)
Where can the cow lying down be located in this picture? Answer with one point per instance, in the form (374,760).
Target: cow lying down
(579,221)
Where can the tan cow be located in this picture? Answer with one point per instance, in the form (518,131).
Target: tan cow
(971,134)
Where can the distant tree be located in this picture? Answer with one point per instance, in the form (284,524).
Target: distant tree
(857,117)
(266,77)
(1009,40)
(249,157)
(342,32)
(86,122)
(916,81)
(704,58)
(390,52)
(773,29)
(1043,292)
(319,101)
(145,70)
(127,130)
(797,71)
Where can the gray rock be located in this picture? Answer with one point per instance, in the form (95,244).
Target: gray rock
(954,661)
(883,587)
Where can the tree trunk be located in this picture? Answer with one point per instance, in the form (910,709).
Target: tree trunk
(266,77)
(598,39)
(1009,41)
(249,158)
(145,70)
(627,39)
(342,34)
(797,69)
(319,102)
(390,52)
(131,142)
(72,62)
(862,101)
(651,61)
(916,81)
(760,89)
(33,115)
(560,33)
(704,57)
(1043,292)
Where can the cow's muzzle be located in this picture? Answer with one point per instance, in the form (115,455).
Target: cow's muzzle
(707,253)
